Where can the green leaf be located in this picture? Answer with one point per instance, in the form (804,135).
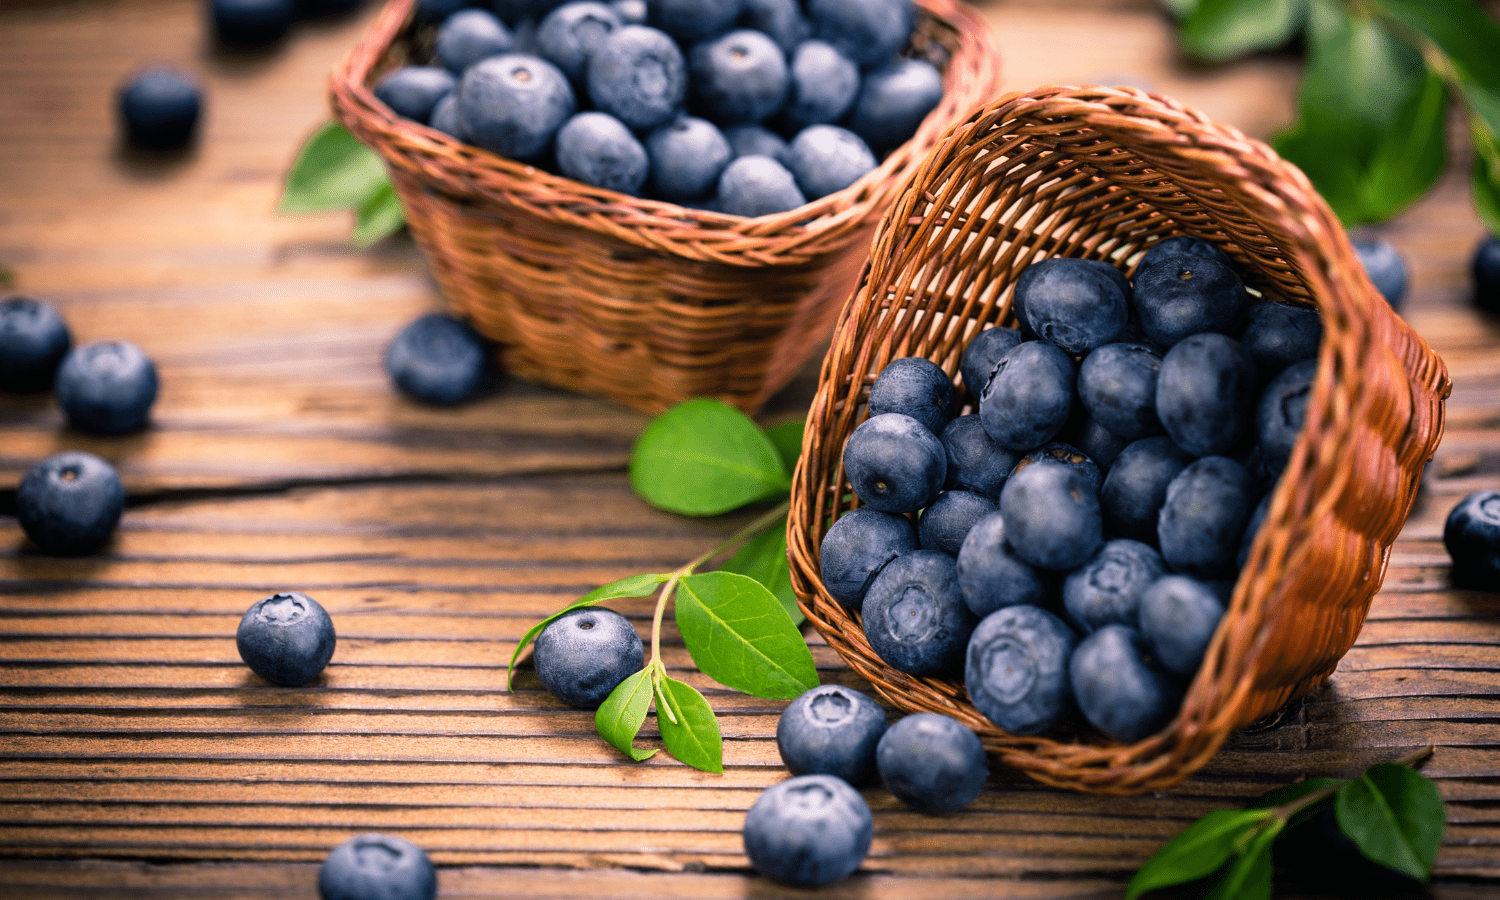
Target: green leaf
(332,171)
(1220,30)
(622,713)
(787,438)
(1294,792)
(689,730)
(764,558)
(703,457)
(1395,816)
(377,217)
(1249,876)
(1180,8)
(740,636)
(1486,186)
(1460,29)
(1410,156)
(1199,851)
(629,586)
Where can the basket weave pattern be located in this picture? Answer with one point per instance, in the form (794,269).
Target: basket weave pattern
(640,301)
(1102,173)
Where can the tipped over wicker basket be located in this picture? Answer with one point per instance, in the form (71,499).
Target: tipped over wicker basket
(1101,173)
(644,302)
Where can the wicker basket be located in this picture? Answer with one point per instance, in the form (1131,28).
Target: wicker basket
(644,302)
(1101,173)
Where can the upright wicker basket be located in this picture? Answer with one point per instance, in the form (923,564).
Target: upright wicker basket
(643,302)
(1102,173)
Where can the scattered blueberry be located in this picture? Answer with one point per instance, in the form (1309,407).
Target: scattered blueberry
(436,359)
(893,100)
(413,91)
(638,75)
(33,341)
(70,503)
(513,104)
(287,638)
(1204,516)
(377,867)
(570,34)
(894,463)
(914,614)
(870,32)
(1471,535)
(946,521)
(1178,618)
(597,149)
(1205,393)
(1029,396)
(857,546)
(691,21)
(1136,486)
(737,78)
(1485,269)
(1283,409)
(1117,385)
(687,157)
(831,730)
(470,35)
(991,576)
(106,387)
(251,24)
(808,831)
(1181,245)
(1118,686)
(981,354)
(1385,266)
(826,159)
(975,463)
(1052,517)
(1183,295)
(758,185)
(822,84)
(1062,454)
(583,655)
(757,140)
(1107,589)
(1017,669)
(933,763)
(159,109)
(916,387)
(1077,304)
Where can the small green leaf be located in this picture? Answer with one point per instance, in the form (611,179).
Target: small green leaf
(1180,9)
(332,171)
(787,438)
(764,558)
(1249,876)
(621,715)
(690,730)
(740,636)
(380,215)
(1410,156)
(629,586)
(703,457)
(1199,851)
(1220,30)
(1395,816)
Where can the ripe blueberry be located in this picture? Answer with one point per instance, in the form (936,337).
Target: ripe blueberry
(933,763)
(287,638)
(1275,335)
(413,91)
(1181,245)
(894,463)
(808,831)
(893,101)
(1204,515)
(991,576)
(1119,687)
(981,354)
(916,387)
(1182,295)
(513,104)
(691,21)
(869,32)
(975,463)
(106,388)
(758,185)
(1136,486)
(436,359)
(251,24)
(1117,385)
(377,867)
(687,157)
(70,503)
(1385,266)
(914,614)
(159,109)
(583,655)
(1108,588)
(857,546)
(638,75)
(1471,535)
(1052,517)
(946,522)
(1017,669)
(1077,304)
(740,77)
(1178,617)
(831,730)
(1283,409)
(821,86)
(1205,393)
(1029,396)
(470,35)
(827,158)
(33,340)
(782,20)
(570,34)
(597,149)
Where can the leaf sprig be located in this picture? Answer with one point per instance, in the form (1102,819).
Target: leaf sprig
(739,623)
(333,170)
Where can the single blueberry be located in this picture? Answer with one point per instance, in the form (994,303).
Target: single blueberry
(570,34)
(159,109)
(638,75)
(597,149)
(1205,393)
(808,831)
(513,104)
(1485,270)
(377,867)
(857,546)
(287,638)
(869,32)
(1204,516)
(1117,385)
(1017,669)
(631,12)
(916,387)
(758,185)
(781,20)
(946,522)
(1052,517)
(1107,589)
(975,463)
(251,24)
(914,614)
(470,35)
(827,159)
(1136,486)
(1178,617)
(1275,335)
(413,91)
(691,21)
(583,655)
(436,359)
(1385,266)
(1077,304)
(1061,454)
(831,730)
(33,341)
(1119,687)
(893,100)
(822,84)
(106,387)
(757,140)
(70,503)
(1029,396)
(1283,409)
(1471,535)
(981,354)
(1182,295)
(687,157)
(738,78)
(1181,245)
(894,463)
(933,763)
(445,116)
(991,576)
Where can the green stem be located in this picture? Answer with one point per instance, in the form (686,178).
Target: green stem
(1287,810)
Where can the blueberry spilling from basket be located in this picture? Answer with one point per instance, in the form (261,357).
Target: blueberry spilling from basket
(748,107)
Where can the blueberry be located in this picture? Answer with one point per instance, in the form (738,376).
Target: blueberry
(287,638)
(687,157)
(1107,589)
(1017,669)
(1117,385)
(758,186)
(436,359)
(1136,486)
(822,84)
(1181,245)
(570,34)
(1485,270)
(1204,516)
(1178,618)
(106,387)
(513,104)
(826,159)
(869,32)
(831,730)
(991,576)
(412,91)
(251,24)
(1029,396)
(1077,304)
(946,522)
(916,387)
(159,109)
(584,655)
(1471,535)
(1093,440)
(631,12)
(1182,295)
(975,463)
(1064,455)
(377,867)
(33,341)
(691,21)
(781,20)
(914,614)
(808,831)
(737,78)
(1252,528)
(933,763)
(445,117)
(470,35)
(981,354)
(1385,266)
(638,75)
(1283,409)
(597,149)
(893,101)
(70,503)
(1205,393)
(1118,686)
(1275,335)
(857,546)
(1052,517)
(894,463)
(757,140)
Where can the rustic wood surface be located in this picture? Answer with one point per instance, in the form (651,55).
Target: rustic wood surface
(139,757)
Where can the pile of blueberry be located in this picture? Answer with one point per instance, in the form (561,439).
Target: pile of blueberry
(748,107)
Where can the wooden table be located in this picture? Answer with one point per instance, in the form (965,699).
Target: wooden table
(138,755)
